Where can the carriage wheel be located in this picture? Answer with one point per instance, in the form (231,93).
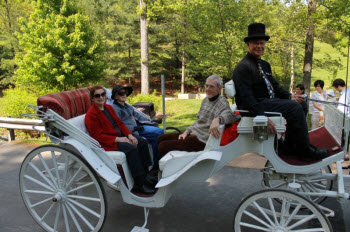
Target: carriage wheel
(61,191)
(309,183)
(261,212)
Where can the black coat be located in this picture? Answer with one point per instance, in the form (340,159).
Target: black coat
(250,86)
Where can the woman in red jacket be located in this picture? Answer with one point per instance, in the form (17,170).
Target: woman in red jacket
(103,125)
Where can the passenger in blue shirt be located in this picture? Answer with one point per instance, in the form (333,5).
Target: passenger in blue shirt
(136,121)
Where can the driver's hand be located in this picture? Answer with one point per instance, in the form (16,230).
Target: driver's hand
(271,127)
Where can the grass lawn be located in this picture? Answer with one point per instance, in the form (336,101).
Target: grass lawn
(181,113)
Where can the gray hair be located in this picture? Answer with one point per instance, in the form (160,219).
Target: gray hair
(217,78)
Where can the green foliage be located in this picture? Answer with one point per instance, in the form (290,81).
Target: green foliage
(62,50)
(157,101)
(15,102)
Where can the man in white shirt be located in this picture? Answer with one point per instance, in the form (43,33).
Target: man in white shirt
(317,108)
(344,98)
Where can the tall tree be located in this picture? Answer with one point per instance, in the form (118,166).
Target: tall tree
(309,46)
(62,51)
(144,48)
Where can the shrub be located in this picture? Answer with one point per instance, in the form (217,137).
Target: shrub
(157,101)
(15,102)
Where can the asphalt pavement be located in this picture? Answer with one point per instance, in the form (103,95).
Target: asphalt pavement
(205,206)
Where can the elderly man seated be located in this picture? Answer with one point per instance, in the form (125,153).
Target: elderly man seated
(136,121)
(214,110)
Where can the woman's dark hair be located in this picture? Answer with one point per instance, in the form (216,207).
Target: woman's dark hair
(338,82)
(93,89)
(301,87)
(320,83)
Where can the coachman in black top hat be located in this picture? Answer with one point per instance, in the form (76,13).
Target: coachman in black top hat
(258,92)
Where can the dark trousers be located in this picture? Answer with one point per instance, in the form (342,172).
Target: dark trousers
(152,133)
(138,159)
(171,142)
(297,135)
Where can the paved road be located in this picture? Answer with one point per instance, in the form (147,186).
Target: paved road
(207,206)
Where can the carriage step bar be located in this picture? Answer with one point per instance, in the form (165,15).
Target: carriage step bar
(142,229)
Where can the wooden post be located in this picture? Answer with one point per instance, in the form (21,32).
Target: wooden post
(10,135)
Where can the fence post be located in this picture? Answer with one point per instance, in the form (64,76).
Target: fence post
(10,134)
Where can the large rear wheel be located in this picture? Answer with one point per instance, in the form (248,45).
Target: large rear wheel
(61,191)
(261,211)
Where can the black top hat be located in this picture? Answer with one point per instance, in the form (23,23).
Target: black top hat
(256,31)
(119,87)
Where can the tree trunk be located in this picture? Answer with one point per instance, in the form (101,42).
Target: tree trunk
(291,69)
(183,72)
(144,49)
(309,46)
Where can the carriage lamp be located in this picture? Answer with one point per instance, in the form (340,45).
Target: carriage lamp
(260,128)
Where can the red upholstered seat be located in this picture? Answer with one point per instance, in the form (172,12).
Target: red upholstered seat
(320,138)
(68,104)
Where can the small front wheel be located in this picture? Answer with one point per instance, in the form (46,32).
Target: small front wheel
(261,211)
(61,191)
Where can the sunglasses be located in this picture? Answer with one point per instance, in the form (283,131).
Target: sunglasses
(122,93)
(100,95)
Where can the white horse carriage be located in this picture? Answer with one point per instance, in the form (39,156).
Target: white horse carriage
(61,185)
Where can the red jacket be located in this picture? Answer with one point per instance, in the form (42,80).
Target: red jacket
(101,129)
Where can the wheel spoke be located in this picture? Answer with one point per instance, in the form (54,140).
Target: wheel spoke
(76,223)
(57,218)
(65,172)
(254,226)
(256,218)
(280,185)
(42,175)
(48,170)
(85,198)
(41,202)
(273,210)
(65,216)
(306,219)
(81,187)
(38,192)
(72,179)
(263,212)
(38,182)
(47,212)
(54,161)
(81,216)
(84,208)
(292,215)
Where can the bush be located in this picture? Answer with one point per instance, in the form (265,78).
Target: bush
(15,102)
(157,101)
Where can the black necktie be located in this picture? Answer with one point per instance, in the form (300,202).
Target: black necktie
(267,82)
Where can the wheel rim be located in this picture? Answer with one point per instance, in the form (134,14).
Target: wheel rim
(261,212)
(61,192)
(308,183)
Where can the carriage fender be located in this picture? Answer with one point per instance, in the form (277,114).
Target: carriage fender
(177,166)
(101,163)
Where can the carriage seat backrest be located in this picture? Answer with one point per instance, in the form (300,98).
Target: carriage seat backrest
(68,104)
(230,89)
(79,122)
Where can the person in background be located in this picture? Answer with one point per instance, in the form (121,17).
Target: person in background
(258,92)
(331,95)
(300,90)
(103,125)
(135,121)
(215,110)
(317,108)
(344,98)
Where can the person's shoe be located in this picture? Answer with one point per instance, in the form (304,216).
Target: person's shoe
(145,189)
(314,153)
(151,180)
